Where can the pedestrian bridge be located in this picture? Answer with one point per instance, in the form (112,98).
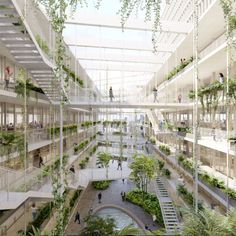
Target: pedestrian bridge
(81,179)
(101,104)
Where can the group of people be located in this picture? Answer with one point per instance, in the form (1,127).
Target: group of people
(36,124)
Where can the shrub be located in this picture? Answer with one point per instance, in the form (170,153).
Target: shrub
(165,149)
(43,214)
(187,197)
(82,164)
(101,185)
(153,140)
(167,173)
(148,201)
(74,198)
(160,164)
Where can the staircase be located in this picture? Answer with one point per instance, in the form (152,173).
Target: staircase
(18,38)
(153,121)
(167,208)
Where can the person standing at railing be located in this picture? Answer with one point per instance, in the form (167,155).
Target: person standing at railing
(155,94)
(179,98)
(7,75)
(34,211)
(213,133)
(111,95)
(72,170)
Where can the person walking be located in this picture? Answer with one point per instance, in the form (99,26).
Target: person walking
(123,196)
(111,95)
(119,165)
(99,197)
(90,211)
(41,161)
(155,94)
(72,169)
(77,217)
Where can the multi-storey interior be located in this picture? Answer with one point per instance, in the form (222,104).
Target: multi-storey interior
(115,97)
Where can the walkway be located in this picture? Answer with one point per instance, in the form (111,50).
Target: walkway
(100,104)
(110,196)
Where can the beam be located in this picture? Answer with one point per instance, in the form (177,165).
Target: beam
(120,67)
(132,24)
(120,58)
(112,44)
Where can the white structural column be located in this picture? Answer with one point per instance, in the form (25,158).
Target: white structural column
(195,110)
(228,50)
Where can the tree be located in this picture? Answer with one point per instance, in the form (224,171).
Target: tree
(130,230)
(97,226)
(205,223)
(143,169)
(103,160)
(11,142)
(232,222)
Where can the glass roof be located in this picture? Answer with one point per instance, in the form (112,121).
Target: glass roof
(112,57)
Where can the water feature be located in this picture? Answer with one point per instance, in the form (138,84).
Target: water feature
(120,217)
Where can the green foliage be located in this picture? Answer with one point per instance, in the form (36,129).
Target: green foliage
(20,87)
(178,68)
(43,45)
(130,230)
(84,162)
(114,122)
(99,226)
(11,142)
(43,213)
(160,164)
(101,185)
(165,149)
(71,75)
(187,197)
(94,149)
(74,198)
(148,201)
(205,177)
(184,129)
(118,133)
(167,173)
(81,146)
(209,95)
(186,163)
(143,169)
(86,124)
(103,159)
(66,129)
(153,140)
(207,222)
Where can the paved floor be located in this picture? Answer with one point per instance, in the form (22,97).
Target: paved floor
(110,196)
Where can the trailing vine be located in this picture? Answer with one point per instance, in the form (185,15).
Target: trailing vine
(57,13)
(152,12)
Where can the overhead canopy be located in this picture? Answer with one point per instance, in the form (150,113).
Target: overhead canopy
(124,59)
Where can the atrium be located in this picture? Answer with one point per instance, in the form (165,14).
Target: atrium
(117,117)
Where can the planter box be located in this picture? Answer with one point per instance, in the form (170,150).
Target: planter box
(233,146)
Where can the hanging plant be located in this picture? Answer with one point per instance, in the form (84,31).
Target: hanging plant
(152,10)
